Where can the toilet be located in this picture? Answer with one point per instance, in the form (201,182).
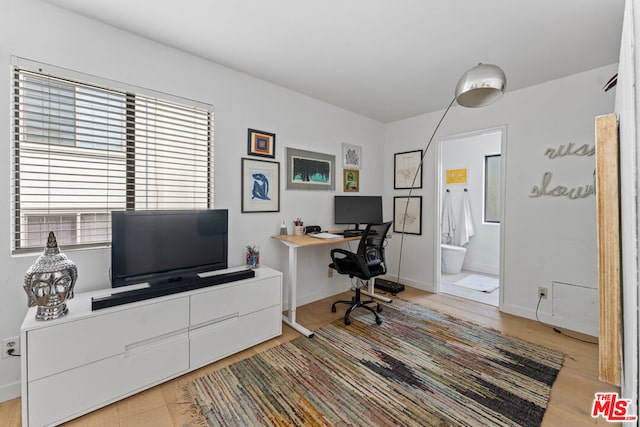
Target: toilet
(452,258)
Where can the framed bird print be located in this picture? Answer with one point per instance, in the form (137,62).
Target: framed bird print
(260,186)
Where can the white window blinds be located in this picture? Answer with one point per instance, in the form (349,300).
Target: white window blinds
(82,151)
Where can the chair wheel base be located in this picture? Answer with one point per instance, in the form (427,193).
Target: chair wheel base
(357,302)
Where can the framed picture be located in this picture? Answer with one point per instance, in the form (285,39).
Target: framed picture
(351,180)
(405,167)
(407,211)
(351,156)
(307,170)
(456,176)
(260,186)
(261,143)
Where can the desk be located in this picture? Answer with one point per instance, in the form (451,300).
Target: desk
(293,243)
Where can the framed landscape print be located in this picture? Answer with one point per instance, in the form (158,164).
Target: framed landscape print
(351,156)
(307,170)
(261,143)
(260,186)
(405,167)
(407,211)
(351,180)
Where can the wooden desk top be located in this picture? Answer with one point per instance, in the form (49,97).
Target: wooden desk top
(306,240)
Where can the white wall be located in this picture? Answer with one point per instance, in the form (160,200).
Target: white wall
(546,239)
(59,38)
(468,152)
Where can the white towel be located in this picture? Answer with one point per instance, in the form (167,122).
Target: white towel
(448,222)
(466,229)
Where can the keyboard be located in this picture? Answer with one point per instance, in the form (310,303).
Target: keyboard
(352,233)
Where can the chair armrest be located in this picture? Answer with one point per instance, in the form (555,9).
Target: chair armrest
(343,252)
(349,256)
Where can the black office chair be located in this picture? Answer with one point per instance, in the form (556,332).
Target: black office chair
(366,263)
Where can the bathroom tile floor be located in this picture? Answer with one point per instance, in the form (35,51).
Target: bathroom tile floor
(447,286)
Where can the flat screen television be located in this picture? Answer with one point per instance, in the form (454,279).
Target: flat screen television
(160,247)
(356,210)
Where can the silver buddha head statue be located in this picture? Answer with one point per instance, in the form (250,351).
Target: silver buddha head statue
(49,282)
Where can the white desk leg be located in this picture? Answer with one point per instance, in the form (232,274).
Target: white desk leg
(371,293)
(293,284)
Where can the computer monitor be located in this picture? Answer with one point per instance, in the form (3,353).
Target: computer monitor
(358,210)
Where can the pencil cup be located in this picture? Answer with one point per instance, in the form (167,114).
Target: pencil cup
(299,230)
(252,256)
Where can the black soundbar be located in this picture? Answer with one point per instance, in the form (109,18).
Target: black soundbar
(155,291)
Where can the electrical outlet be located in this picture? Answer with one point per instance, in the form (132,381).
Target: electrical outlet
(543,292)
(330,272)
(12,343)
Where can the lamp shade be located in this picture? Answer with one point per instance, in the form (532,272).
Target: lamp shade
(482,85)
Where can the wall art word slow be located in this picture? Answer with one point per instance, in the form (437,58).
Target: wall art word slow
(546,188)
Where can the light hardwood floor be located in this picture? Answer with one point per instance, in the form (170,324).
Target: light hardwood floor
(571,397)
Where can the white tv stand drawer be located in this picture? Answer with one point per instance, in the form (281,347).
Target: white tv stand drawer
(89,359)
(233,334)
(63,346)
(91,386)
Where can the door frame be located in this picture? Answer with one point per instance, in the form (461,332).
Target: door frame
(438,170)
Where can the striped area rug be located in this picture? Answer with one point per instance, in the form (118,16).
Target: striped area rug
(419,368)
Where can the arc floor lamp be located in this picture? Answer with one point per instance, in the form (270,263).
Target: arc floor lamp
(480,86)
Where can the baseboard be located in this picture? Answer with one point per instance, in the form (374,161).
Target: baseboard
(333,289)
(481,268)
(409,282)
(546,318)
(324,292)
(10,391)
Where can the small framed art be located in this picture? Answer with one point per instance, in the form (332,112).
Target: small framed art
(260,186)
(405,167)
(351,180)
(351,156)
(407,214)
(456,176)
(260,143)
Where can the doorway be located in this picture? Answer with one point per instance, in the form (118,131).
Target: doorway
(470,215)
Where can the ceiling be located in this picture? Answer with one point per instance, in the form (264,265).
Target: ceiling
(384,59)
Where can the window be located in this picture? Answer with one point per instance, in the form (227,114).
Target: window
(37,228)
(492,188)
(82,151)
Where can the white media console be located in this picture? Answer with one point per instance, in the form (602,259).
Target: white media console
(89,359)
